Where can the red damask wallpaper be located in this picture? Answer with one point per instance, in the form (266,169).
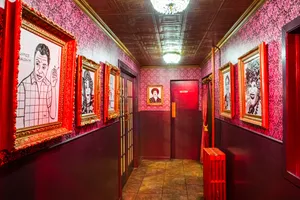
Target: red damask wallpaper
(92,42)
(162,76)
(265,25)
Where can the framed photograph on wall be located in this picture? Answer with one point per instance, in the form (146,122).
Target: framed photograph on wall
(253,86)
(37,78)
(87,91)
(154,95)
(111,92)
(226,77)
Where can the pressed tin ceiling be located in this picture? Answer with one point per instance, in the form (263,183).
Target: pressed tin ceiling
(147,34)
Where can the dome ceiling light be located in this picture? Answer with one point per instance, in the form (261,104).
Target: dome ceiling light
(172,57)
(170,7)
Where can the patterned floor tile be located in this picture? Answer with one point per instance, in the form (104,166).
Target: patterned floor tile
(131,188)
(129,196)
(151,188)
(148,197)
(195,189)
(174,197)
(165,179)
(194,180)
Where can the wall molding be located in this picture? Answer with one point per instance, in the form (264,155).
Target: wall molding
(251,10)
(169,66)
(87,9)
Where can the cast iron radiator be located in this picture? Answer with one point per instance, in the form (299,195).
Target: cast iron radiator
(214,174)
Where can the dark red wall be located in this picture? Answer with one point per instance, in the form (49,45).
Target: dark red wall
(84,168)
(155,134)
(254,165)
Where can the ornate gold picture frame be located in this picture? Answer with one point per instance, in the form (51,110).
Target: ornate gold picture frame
(253,85)
(155,95)
(111,92)
(87,91)
(37,79)
(226,80)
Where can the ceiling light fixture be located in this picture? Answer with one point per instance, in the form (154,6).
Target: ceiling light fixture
(170,7)
(172,57)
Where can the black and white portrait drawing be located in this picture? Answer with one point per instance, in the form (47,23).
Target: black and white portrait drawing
(227,88)
(112,85)
(88,85)
(252,83)
(38,81)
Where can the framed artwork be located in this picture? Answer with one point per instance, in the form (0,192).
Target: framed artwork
(87,91)
(226,77)
(111,92)
(253,85)
(155,95)
(37,79)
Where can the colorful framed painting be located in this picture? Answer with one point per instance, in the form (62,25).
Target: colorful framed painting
(226,77)
(37,79)
(111,92)
(155,95)
(87,91)
(253,85)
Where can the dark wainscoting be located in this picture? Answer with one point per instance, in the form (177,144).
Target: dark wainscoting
(84,168)
(155,134)
(254,165)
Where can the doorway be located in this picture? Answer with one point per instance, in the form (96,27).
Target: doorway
(185,119)
(128,108)
(291,98)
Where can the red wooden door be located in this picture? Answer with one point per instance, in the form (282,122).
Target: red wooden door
(185,120)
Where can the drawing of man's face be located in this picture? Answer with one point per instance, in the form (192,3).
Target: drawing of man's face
(40,66)
(154,94)
(253,92)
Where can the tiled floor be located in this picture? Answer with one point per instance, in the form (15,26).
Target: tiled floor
(165,180)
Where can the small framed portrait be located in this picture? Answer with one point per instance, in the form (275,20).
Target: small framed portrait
(253,85)
(226,77)
(155,95)
(39,60)
(111,92)
(88,91)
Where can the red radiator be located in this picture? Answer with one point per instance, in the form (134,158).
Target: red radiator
(214,174)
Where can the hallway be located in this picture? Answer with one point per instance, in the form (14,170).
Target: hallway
(166,180)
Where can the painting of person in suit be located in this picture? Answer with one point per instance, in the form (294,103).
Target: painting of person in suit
(155,98)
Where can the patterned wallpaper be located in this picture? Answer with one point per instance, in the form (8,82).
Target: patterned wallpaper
(162,76)
(265,25)
(92,42)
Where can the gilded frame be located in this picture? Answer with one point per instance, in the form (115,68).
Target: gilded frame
(226,69)
(87,64)
(258,54)
(115,113)
(20,16)
(149,101)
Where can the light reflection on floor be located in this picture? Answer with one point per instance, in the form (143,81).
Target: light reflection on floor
(165,180)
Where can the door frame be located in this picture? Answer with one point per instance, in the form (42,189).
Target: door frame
(171,119)
(135,76)
(289,28)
